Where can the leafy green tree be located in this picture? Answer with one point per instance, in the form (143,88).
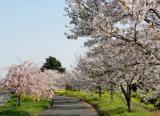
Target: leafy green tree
(53,64)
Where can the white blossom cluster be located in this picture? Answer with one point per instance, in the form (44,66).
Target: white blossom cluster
(124,44)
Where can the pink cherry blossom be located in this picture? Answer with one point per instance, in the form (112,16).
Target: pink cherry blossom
(26,78)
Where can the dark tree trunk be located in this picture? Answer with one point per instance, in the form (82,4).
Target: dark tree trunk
(51,102)
(99,90)
(127,95)
(79,89)
(129,104)
(19,100)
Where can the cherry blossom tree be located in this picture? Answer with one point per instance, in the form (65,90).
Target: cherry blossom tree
(133,21)
(60,80)
(57,78)
(27,78)
(120,65)
(127,34)
(89,68)
(1,83)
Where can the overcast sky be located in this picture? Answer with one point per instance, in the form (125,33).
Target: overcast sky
(34,30)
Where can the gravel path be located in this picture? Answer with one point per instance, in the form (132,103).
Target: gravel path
(69,106)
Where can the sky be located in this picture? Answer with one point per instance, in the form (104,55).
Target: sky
(34,30)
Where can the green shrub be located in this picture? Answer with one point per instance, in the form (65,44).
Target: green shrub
(157,103)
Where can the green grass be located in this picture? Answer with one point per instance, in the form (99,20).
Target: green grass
(28,107)
(116,107)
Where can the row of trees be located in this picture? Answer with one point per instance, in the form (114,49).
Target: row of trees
(124,44)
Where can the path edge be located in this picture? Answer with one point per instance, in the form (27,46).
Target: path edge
(100,112)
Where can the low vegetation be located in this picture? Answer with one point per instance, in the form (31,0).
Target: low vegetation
(115,107)
(29,107)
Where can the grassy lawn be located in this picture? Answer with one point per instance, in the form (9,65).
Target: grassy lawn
(27,108)
(116,107)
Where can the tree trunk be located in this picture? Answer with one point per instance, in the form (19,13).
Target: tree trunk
(111,91)
(19,100)
(99,90)
(129,104)
(127,95)
(79,89)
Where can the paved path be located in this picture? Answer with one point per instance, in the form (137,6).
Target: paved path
(68,106)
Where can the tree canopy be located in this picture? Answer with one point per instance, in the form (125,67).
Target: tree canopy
(26,78)
(123,42)
(53,64)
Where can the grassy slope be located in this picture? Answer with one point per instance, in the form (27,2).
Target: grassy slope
(112,108)
(27,108)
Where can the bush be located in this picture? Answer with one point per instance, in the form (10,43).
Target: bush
(152,99)
(157,103)
(149,100)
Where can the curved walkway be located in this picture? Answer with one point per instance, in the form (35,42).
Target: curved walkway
(69,106)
